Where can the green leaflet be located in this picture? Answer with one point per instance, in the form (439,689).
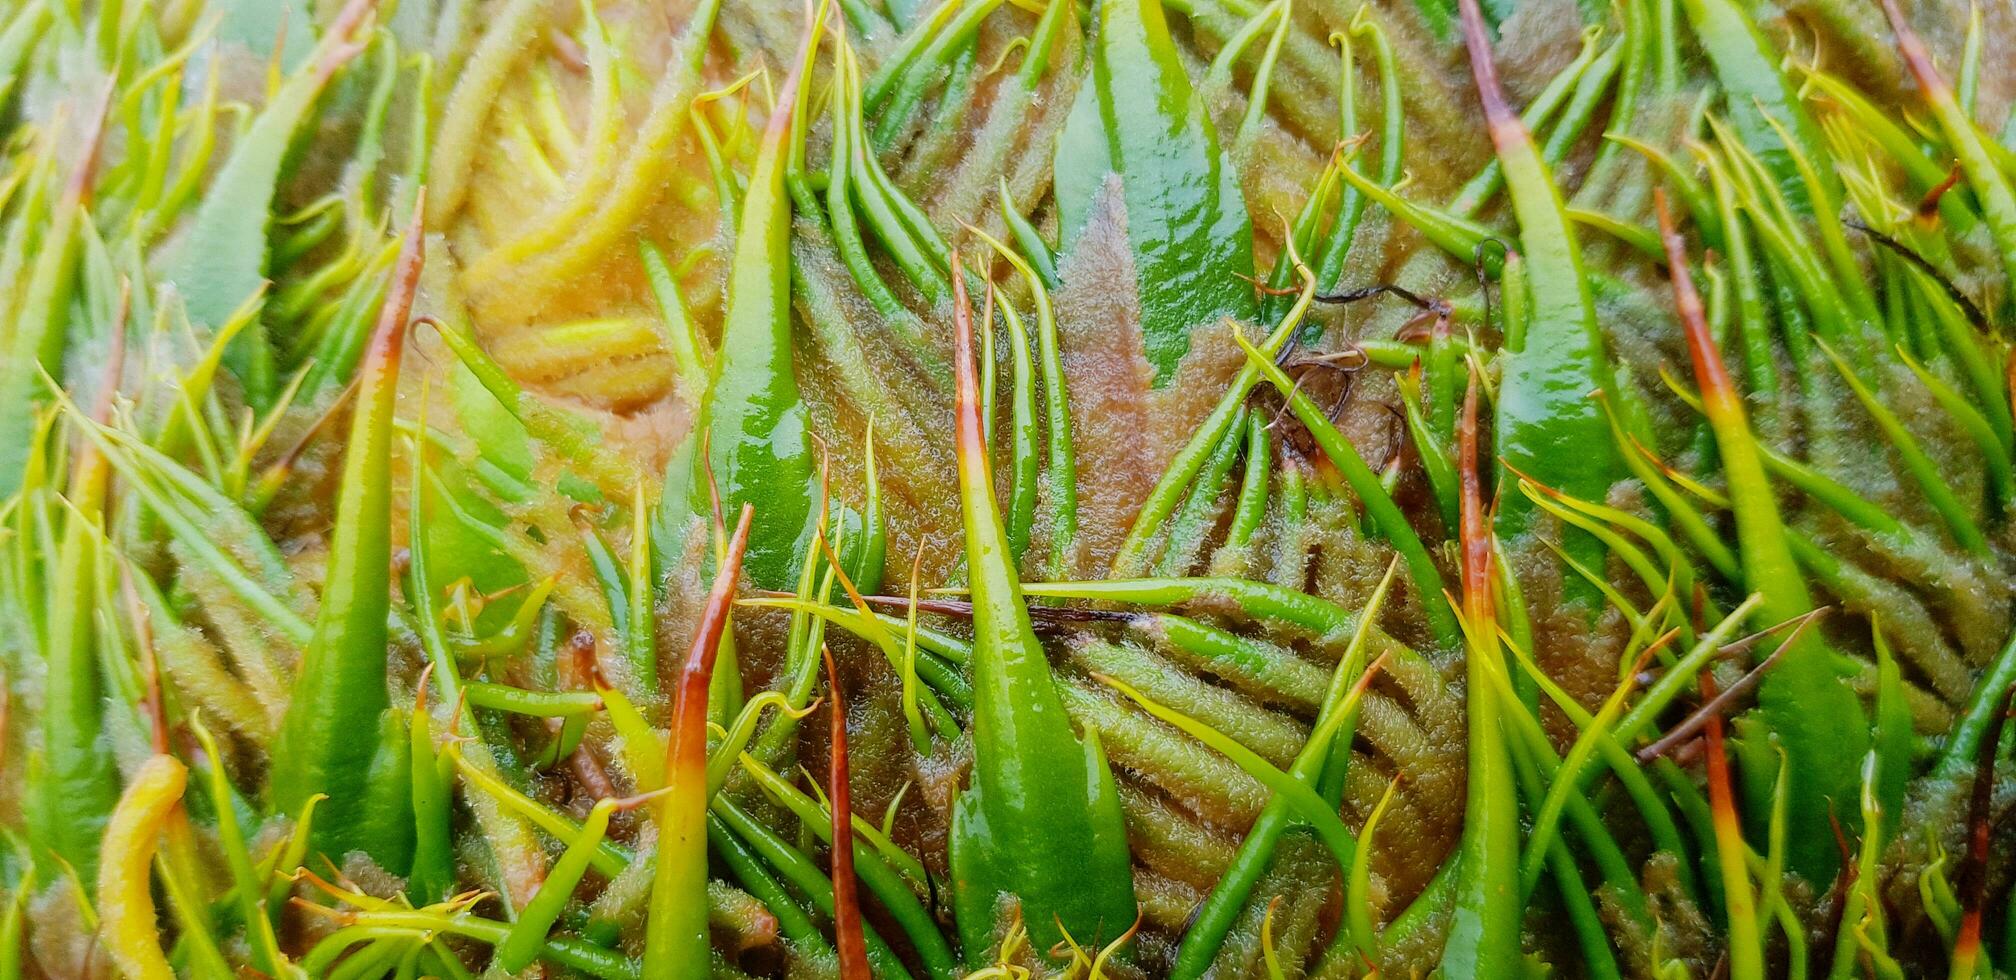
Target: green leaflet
(1892,739)
(74,781)
(222,262)
(1186,220)
(17,41)
(33,340)
(1484,926)
(79,785)
(1856,237)
(1755,92)
(339,691)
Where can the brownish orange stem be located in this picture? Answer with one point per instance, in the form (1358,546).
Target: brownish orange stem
(78,187)
(143,635)
(1916,56)
(971,441)
(686,748)
(1478,605)
(1718,393)
(1928,206)
(1499,116)
(1973,883)
(1721,797)
(849,940)
(388,337)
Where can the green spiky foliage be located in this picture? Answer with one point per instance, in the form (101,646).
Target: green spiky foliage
(1006,488)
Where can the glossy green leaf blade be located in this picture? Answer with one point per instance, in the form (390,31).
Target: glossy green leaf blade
(1546,417)
(1139,126)
(757,434)
(1041,820)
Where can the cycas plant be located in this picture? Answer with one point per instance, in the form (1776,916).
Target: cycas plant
(952,489)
